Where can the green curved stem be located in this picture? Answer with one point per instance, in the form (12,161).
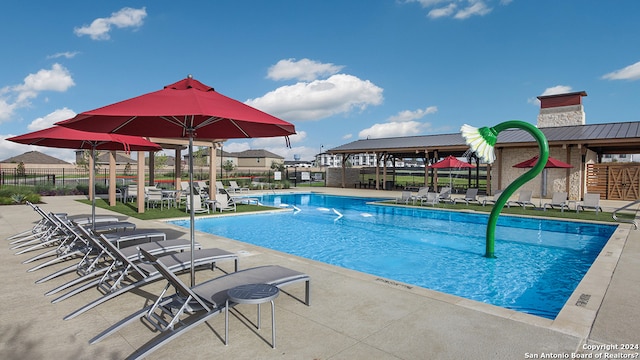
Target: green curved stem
(533,172)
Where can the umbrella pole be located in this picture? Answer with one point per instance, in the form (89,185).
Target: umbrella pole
(93,187)
(192,235)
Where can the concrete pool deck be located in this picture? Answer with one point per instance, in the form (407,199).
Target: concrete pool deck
(352,315)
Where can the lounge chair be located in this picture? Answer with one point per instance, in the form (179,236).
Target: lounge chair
(233,186)
(132,192)
(405,197)
(197,202)
(444,195)
(558,199)
(430,199)
(200,302)
(493,199)
(422,192)
(96,259)
(225,203)
(219,186)
(591,201)
(524,199)
(126,275)
(470,195)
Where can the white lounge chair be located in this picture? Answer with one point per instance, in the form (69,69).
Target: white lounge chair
(492,199)
(225,203)
(591,201)
(197,205)
(233,186)
(559,199)
(470,195)
(405,197)
(524,199)
(445,194)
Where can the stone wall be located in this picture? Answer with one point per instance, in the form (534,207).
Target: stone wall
(556,178)
(561,116)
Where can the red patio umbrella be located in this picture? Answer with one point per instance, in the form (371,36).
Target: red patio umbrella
(451,162)
(551,163)
(185,109)
(66,138)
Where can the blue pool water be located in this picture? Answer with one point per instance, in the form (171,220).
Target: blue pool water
(539,262)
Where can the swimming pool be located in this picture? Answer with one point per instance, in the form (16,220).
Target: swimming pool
(539,264)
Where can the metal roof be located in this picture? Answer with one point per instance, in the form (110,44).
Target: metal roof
(612,138)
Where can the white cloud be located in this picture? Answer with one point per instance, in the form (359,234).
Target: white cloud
(57,79)
(442,12)
(458,9)
(558,89)
(302,70)
(408,115)
(347,136)
(124,18)
(50,119)
(319,99)
(393,129)
(478,8)
(66,54)
(631,72)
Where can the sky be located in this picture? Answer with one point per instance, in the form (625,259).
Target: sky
(338,70)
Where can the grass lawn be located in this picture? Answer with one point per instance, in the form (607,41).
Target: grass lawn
(130,209)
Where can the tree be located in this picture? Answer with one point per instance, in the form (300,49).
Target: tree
(20,170)
(277,166)
(160,160)
(228,166)
(83,162)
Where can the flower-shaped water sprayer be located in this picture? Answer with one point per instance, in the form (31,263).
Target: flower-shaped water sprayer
(482,141)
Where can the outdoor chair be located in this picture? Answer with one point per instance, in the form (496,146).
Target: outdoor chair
(153,197)
(470,195)
(430,198)
(492,199)
(405,197)
(219,186)
(174,315)
(98,259)
(559,199)
(444,195)
(591,201)
(224,203)
(524,199)
(233,186)
(422,192)
(132,192)
(197,205)
(125,275)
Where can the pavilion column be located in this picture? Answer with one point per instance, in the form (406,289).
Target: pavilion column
(92,175)
(384,171)
(152,167)
(379,157)
(425,159)
(140,198)
(212,171)
(434,172)
(112,178)
(344,170)
(177,165)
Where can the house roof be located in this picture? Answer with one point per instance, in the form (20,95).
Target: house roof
(610,138)
(257,154)
(35,157)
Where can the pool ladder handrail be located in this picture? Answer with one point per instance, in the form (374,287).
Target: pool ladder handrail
(615,217)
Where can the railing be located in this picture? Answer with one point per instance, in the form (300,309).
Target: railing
(615,217)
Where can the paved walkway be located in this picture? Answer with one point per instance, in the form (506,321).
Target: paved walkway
(352,316)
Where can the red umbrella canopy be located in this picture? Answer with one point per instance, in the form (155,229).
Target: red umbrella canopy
(451,162)
(551,163)
(62,137)
(187,105)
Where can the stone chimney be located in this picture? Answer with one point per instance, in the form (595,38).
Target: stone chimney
(561,110)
